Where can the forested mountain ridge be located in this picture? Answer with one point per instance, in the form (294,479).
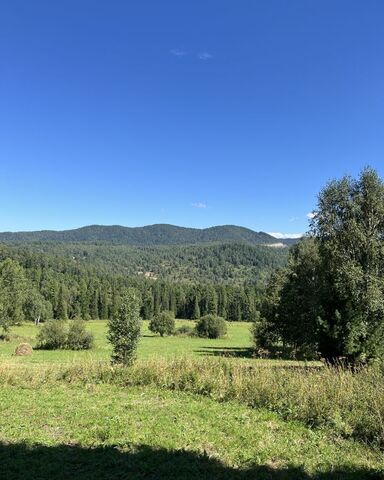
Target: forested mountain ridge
(151,235)
(231,263)
(189,271)
(54,285)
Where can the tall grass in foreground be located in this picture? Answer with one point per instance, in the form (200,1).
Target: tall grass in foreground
(349,403)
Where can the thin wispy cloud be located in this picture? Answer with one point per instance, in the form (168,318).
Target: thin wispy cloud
(199,205)
(282,236)
(178,53)
(293,219)
(311,215)
(204,56)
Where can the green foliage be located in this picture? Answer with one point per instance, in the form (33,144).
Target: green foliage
(163,323)
(330,298)
(185,330)
(211,326)
(55,335)
(196,307)
(349,227)
(290,306)
(52,335)
(12,293)
(148,235)
(36,308)
(61,287)
(62,304)
(78,337)
(124,329)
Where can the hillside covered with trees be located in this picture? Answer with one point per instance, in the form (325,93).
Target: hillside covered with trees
(160,234)
(230,263)
(89,281)
(84,273)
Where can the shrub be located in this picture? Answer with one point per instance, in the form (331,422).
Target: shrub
(163,323)
(211,326)
(52,335)
(124,329)
(78,338)
(185,330)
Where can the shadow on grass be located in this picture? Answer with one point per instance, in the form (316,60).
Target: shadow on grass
(243,352)
(37,462)
(233,352)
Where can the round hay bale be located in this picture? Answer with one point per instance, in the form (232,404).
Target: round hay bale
(23,349)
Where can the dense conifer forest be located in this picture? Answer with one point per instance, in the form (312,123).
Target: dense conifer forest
(58,279)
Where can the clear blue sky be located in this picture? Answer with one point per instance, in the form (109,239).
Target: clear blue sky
(193,113)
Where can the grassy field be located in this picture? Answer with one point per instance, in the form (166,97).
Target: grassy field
(182,413)
(236,343)
(61,431)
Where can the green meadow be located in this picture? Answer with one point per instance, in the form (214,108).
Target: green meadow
(62,431)
(236,344)
(189,408)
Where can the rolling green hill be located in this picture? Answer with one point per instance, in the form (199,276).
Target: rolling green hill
(150,235)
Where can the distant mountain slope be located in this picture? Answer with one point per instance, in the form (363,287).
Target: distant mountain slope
(152,235)
(232,263)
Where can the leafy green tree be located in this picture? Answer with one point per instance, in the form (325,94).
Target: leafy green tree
(330,298)
(290,309)
(36,308)
(164,323)
(124,329)
(13,286)
(267,330)
(349,228)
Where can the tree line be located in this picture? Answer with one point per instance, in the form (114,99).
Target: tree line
(37,286)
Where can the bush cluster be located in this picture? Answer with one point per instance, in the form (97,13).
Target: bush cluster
(78,337)
(55,335)
(185,330)
(163,323)
(211,326)
(208,326)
